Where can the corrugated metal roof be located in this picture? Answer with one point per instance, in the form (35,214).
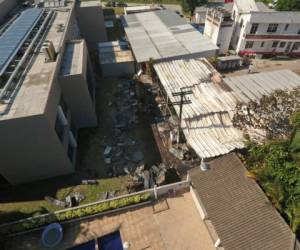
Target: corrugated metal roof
(238,209)
(163,34)
(207,121)
(252,87)
(114,52)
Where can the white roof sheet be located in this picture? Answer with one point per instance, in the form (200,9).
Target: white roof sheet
(207,121)
(163,34)
(246,5)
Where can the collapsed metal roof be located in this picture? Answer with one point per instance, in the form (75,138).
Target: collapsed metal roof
(207,121)
(164,34)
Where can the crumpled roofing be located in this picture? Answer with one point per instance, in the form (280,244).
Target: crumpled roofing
(207,120)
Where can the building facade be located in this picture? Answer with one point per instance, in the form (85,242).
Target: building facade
(45,96)
(262,31)
(219,28)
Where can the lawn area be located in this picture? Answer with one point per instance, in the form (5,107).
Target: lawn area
(22,208)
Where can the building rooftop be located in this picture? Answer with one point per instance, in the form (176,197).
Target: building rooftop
(273,17)
(225,6)
(253,87)
(207,120)
(32,95)
(114,52)
(73,58)
(89,3)
(173,223)
(238,209)
(246,5)
(163,34)
(141,8)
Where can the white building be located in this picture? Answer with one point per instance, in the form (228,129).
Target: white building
(263,31)
(219,27)
(258,30)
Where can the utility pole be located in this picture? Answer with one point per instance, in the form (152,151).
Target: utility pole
(182,93)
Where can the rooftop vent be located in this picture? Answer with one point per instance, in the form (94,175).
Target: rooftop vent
(49,51)
(204,166)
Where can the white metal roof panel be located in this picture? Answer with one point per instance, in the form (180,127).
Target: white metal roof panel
(207,121)
(163,34)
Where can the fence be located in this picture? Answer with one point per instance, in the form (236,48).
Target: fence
(94,208)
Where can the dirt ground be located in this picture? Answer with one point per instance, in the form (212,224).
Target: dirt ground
(264,65)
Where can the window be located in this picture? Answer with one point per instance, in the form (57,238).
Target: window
(254,28)
(241,23)
(272,27)
(299,32)
(286,26)
(262,44)
(296,46)
(275,44)
(237,40)
(282,44)
(249,44)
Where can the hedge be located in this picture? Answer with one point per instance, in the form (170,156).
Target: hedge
(39,221)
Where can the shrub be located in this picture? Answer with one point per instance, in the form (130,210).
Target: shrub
(35,222)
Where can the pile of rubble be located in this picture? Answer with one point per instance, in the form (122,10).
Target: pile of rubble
(122,155)
(268,118)
(143,177)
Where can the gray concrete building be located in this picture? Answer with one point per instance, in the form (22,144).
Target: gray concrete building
(5,7)
(47,93)
(91,23)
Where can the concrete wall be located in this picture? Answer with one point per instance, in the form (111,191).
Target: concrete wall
(78,92)
(79,100)
(224,39)
(212,31)
(33,151)
(91,24)
(118,69)
(5,7)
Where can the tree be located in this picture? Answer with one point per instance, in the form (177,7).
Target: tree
(288,5)
(188,6)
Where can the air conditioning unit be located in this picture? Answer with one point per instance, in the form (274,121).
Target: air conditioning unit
(49,51)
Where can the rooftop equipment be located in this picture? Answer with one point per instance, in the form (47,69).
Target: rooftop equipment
(49,51)
(14,37)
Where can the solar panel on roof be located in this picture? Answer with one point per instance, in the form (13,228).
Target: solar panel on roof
(13,38)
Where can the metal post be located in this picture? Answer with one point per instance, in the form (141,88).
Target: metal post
(183,92)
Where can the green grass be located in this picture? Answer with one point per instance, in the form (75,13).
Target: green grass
(11,211)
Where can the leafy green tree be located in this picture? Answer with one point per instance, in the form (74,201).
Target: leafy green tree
(188,6)
(288,5)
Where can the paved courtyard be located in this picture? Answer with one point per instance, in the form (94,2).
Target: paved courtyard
(172,224)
